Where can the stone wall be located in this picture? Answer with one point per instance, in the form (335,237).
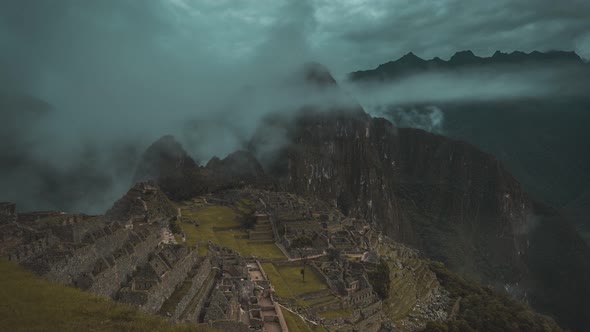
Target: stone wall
(30,217)
(203,293)
(100,264)
(143,202)
(73,228)
(201,274)
(108,282)
(369,324)
(36,246)
(7,212)
(84,259)
(157,294)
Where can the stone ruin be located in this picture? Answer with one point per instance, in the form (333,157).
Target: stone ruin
(7,213)
(130,255)
(144,202)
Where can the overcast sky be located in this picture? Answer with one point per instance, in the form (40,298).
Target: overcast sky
(345,35)
(125,72)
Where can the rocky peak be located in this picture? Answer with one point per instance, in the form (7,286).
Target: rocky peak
(410,58)
(464,58)
(318,74)
(165,157)
(144,202)
(239,166)
(518,56)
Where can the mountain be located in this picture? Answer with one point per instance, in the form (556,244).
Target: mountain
(180,177)
(540,140)
(338,228)
(446,197)
(410,64)
(301,264)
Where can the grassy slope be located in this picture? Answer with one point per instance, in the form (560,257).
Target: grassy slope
(294,322)
(483,309)
(30,303)
(288,283)
(222,216)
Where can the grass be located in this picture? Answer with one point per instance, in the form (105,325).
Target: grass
(288,283)
(322,300)
(30,303)
(224,217)
(294,322)
(331,314)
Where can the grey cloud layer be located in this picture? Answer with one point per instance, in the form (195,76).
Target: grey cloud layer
(121,73)
(440,28)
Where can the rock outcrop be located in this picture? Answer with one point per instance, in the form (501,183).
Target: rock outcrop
(238,167)
(167,163)
(143,202)
(163,159)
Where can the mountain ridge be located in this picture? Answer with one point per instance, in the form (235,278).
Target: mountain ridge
(410,63)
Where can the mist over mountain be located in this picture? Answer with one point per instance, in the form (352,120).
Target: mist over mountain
(539,134)
(216,135)
(455,203)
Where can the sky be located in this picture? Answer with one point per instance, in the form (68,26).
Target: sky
(118,74)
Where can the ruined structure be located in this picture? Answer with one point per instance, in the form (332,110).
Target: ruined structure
(143,202)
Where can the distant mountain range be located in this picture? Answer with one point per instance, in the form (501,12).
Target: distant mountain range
(410,64)
(542,140)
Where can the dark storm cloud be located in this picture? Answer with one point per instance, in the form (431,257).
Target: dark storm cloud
(118,74)
(385,30)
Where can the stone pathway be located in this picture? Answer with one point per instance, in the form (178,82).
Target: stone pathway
(270,308)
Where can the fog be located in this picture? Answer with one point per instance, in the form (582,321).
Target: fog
(418,100)
(88,85)
(117,75)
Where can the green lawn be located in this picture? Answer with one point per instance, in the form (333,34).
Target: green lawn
(294,322)
(223,216)
(288,283)
(335,313)
(30,303)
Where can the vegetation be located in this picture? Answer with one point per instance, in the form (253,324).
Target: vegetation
(333,254)
(330,314)
(248,213)
(288,283)
(30,303)
(175,227)
(483,309)
(380,280)
(301,242)
(294,322)
(221,225)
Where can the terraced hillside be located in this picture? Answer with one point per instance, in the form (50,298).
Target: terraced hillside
(240,259)
(30,303)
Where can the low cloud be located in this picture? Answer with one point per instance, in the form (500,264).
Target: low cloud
(418,101)
(116,75)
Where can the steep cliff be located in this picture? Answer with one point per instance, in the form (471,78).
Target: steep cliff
(446,197)
(453,201)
